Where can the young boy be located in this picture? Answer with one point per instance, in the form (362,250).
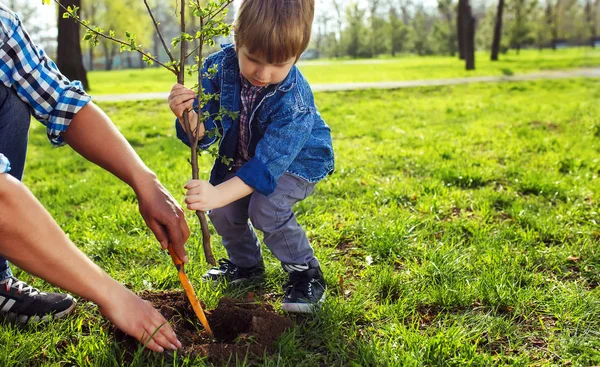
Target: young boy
(279,144)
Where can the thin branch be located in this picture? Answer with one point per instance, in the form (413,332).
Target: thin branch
(115,39)
(181,75)
(212,15)
(192,52)
(200,93)
(158,32)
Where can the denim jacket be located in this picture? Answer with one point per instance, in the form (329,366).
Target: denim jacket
(287,133)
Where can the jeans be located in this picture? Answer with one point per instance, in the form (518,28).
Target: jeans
(273,216)
(14,130)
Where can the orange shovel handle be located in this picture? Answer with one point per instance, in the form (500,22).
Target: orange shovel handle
(189,291)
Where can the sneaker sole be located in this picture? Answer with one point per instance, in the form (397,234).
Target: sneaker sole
(303,307)
(236,281)
(23,319)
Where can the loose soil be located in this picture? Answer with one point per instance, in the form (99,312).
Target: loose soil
(243,329)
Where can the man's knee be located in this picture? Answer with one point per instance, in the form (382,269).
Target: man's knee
(9,187)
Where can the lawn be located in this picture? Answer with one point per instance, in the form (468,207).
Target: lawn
(460,228)
(379,70)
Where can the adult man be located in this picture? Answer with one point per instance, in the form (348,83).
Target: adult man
(29,237)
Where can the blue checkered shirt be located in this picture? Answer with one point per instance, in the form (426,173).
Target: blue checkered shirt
(54,99)
(4,164)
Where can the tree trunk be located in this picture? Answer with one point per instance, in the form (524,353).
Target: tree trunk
(68,54)
(590,14)
(91,53)
(468,33)
(497,31)
(107,62)
(460,28)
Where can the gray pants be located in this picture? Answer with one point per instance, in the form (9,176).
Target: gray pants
(274,217)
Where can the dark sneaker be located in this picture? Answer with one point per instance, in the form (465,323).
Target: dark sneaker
(233,274)
(23,303)
(305,290)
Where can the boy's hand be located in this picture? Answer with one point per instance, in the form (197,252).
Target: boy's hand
(202,195)
(181,99)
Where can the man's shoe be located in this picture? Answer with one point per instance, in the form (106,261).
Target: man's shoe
(233,274)
(21,302)
(305,290)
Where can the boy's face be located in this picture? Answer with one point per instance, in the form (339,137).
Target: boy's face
(260,73)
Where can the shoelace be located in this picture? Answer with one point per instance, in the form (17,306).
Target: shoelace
(227,266)
(20,286)
(297,284)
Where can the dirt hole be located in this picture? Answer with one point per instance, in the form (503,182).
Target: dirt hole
(242,328)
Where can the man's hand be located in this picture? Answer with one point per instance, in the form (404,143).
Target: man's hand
(94,136)
(140,320)
(164,216)
(32,240)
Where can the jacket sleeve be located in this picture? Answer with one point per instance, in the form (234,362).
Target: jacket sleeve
(283,140)
(210,85)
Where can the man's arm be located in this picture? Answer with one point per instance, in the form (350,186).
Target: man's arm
(32,240)
(93,135)
(59,103)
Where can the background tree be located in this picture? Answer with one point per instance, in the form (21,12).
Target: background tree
(497,31)
(338,13)
(68,53)
(377,28)
(319,38)
(592,12)
(466,33)
(121,16)
(460,28)
(398,32)
(519,22)
(90,10)
(28,12)
(445,28)
(354,33)
(422,27)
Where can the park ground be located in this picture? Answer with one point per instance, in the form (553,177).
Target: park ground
(460,228)
(401,68)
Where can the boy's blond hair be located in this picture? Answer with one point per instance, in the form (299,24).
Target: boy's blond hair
(275,30)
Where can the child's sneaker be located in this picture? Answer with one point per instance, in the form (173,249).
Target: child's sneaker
(21,302)
(233,274)
(305,290)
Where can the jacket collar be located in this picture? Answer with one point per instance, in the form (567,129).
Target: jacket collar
(232,63)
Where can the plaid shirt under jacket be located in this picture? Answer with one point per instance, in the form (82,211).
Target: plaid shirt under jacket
(54,99)
(249,94)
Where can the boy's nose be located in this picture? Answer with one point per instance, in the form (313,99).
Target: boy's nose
(262,74)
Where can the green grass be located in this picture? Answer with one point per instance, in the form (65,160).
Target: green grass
(390,69)
(460,228)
